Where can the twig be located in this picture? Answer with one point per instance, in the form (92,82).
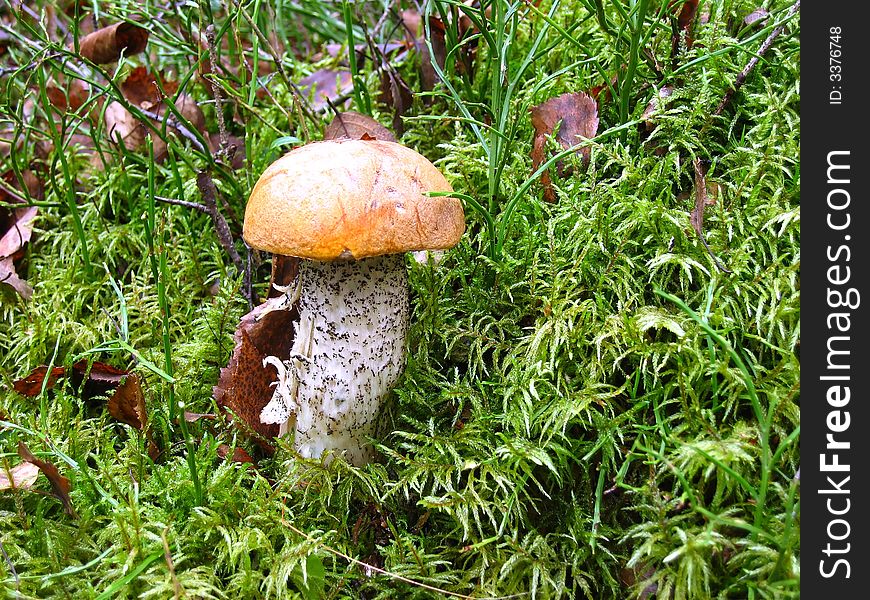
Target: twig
(194,205)
(11,566)
(177,126)
(216,89)
(697,217)
(741,78)
(167,554)
(209,194)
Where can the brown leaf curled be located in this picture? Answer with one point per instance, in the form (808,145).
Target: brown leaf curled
(31,385)
(60,485)
(245,385)
(356,126)
(576,117)
(127,404)
(107,44)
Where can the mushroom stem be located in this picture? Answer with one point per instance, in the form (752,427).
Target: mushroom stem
(347,355)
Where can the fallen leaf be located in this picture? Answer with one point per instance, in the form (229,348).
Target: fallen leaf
(31,385)
(238,455)
(355,126)
(326,86)
(60,485)
(396,94)
(235,146)
(245,385)
(19,224)
(19,232)
(192,417)
(99,379)
(19,477)
(107,44)
(70,99)
(127,404)
(437,38)
(576,116)
(701,198)
(142,87)
(682,29)
(122,127)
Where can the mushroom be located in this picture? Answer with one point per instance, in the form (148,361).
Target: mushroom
(350,209)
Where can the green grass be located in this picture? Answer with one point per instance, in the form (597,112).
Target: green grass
(591,407)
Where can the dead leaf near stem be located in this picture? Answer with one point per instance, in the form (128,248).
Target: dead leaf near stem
(60,485)
(355,126)
(106,45)
(245,385)
(572,118)
(17,229)
(150,93)
(20,477)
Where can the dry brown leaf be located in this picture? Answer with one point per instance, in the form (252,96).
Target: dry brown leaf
(576,116)
(235,144)
(356,126)
(396,94)
(31,385)
(127,404)
(71,99)
(107,44)
(192,417)
(20,228)
(428,75)
(683,25)
(326,86)
(60,485)
(238,455)
(244,386)
(123,127)
(19,477)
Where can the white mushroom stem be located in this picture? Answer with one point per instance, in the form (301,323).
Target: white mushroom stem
(347,355)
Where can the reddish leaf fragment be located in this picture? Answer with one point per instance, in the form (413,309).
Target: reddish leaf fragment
(576,116)
(107,44)
(19,231)
(682,29)
(72,98)
(326,86)
(238,455)
(19,477)
(142,87)
(396,94)
(60,485)
(31,385)
(100,380)
(355,126)
(437,38)
(192,417)
(127,404)
(244,386)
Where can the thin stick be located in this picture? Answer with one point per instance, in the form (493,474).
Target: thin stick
(216,89)
(209,194)
(741,78)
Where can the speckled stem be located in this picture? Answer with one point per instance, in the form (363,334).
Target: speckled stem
(348,353)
